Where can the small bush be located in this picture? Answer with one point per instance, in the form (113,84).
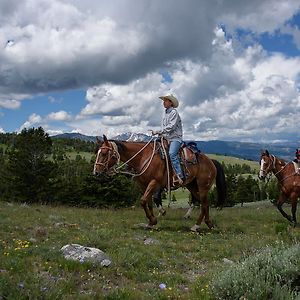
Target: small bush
(272,273)
(281,228)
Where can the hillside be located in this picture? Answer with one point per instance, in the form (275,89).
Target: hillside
(188,264)
(249,151)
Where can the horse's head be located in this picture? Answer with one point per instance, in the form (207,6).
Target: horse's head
(107,156)
(266,164)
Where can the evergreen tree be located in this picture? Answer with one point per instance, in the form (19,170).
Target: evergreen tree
(29,170)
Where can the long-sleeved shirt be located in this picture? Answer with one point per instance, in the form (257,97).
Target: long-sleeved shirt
(171,125)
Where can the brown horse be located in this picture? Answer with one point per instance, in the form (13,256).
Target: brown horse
(288,181)
(151,172)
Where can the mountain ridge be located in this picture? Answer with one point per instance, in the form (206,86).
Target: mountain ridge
(245,150)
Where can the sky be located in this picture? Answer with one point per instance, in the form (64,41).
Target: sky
(98,67)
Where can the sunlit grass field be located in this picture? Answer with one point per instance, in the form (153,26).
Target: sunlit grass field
(32,266)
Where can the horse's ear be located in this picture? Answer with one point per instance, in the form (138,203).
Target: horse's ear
(267,153)
(104,138)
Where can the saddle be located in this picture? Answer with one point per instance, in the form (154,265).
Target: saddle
(188,152)
(188,155)
(297,167)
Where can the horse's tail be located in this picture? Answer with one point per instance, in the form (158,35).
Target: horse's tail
(220,183)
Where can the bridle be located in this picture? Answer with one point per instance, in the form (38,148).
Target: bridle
(112,150)
(271,167)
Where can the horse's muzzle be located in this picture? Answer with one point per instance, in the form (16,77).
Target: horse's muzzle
(97,173)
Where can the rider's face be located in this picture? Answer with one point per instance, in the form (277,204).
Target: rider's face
(167,103)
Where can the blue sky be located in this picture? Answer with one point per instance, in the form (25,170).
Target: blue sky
(98,68)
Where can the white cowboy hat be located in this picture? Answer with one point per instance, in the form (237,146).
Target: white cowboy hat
(172,98)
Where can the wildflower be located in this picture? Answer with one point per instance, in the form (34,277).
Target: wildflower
(162,286)
(21,285)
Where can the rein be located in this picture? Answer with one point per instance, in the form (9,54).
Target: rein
(115,170)
(168,170)
(115,151)
(273,168)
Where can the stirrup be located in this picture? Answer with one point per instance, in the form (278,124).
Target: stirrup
(177,181)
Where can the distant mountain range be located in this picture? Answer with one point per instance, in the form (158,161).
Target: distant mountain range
(243,150)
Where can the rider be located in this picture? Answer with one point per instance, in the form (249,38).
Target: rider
(172,132)
(297,154)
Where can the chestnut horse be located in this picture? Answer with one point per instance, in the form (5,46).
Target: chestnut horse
(288,181)
(151,172)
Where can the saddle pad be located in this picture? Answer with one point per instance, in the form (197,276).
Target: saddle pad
(297,168)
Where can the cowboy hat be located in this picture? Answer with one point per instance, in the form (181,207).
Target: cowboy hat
(172,98)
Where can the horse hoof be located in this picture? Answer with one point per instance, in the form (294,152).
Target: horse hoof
(153,222)
(149,226)
(162,212)
(195,228)
(209,225)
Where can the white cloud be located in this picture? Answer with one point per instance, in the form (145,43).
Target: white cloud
(117,51)
(53,132)
(33,121)
(2,130)
(294,32)
(259,16)
(59,116)
(253,99)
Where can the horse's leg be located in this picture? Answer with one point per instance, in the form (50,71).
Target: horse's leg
(158,202)
(146,199)
(193,188)
(204,210)
(206,213)
(294,199)
(189,212)
(280,201)
(192,203)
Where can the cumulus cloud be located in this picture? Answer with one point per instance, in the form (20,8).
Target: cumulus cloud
(34,120)
(127,55)
(253,97)
(59,116)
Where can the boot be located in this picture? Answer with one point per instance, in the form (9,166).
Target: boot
(177,181)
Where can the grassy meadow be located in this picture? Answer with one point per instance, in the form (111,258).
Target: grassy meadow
(32,266)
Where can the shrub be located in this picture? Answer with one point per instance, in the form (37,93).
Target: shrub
(272,273)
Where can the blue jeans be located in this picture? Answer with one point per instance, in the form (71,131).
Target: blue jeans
(173,152)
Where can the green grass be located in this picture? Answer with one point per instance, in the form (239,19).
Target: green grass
(72,155)
(32,267)
(235,161)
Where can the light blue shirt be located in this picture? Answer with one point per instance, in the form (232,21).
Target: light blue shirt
(171,125)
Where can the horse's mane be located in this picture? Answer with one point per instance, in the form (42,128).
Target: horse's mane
(120,144)
(283,161)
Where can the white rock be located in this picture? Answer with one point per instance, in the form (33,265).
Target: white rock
(85,254)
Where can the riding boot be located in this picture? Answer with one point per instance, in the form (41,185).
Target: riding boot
(177,181)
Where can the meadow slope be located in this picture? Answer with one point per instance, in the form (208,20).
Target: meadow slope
(32,266)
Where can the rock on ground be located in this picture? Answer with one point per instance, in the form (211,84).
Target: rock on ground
(85,254)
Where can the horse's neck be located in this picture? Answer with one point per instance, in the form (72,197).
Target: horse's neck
(128,152)
(280,169)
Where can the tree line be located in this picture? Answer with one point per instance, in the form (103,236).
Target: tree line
(36,169)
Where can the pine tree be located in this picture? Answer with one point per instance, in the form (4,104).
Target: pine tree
(29,170)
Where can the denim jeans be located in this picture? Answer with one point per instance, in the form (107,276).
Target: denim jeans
(173,152)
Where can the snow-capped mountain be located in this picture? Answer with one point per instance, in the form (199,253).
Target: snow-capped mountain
(132,137)
(230,148)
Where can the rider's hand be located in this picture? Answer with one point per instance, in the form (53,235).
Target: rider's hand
(154,132)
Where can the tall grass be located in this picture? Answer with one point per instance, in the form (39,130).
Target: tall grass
(32,266)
